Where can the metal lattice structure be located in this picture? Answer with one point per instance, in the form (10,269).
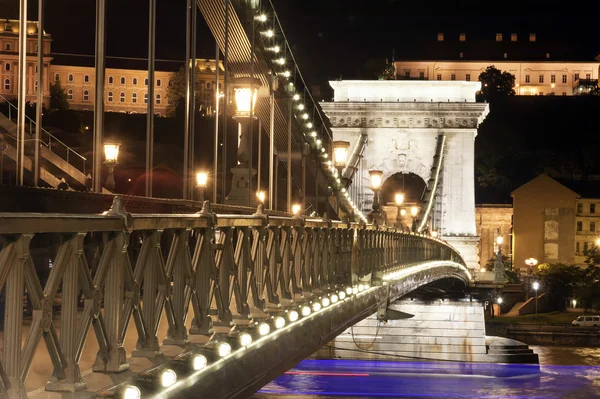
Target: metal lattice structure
(226,268)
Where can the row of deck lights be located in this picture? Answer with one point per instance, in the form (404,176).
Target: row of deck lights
(239,338)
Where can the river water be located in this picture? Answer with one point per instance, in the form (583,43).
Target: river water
(565,372)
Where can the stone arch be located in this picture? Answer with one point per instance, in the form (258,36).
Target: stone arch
(410,184)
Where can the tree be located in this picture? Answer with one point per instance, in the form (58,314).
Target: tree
(559,281)
(175,91)
(58,98)
(389,71)
(496,84)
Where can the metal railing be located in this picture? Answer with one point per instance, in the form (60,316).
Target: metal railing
(48,139)
(137,266)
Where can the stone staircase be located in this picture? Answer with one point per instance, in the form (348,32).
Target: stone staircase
(515,309)
(506,350)
(53,166)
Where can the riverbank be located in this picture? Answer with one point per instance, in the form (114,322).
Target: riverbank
(544,329)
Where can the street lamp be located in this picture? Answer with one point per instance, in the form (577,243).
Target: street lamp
(399,201)
(376,181)
(574,301)
(201,183)
(3,147)
(111,159)
(536,287)
(499,263)
(340,154)
(296,208)
(246,92)
(414,211)
(531,262)
(434,233)
(262,196)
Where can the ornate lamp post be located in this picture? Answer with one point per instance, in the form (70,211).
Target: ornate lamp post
(399,201)
(111,159)
(201,183)
(340,155)
(498,263)
(3,147)
(414,212)
(246,91)
(376,181)
(531,262)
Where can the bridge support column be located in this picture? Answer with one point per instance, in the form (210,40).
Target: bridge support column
(114,292)
(467,247)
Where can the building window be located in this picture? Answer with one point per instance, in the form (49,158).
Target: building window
(122,80)
(588,76)
(86,78)
(208,85)
(158,83)
(453,76)
(122,97)
(421,75)
(468,77)
(36,68)
(592,208)
(6,84)
(498,37)
(576,76)
(7,47)
(35,85)
(541,79)
(579,208)
(564,93)
(462,37)
(57,77)
(146,98)
(592,226)
(513,37)
(146,82)
(527,78)
(134,98)
(532,37)
(110,96)
(440,37)
(552,78)
(70,77)
(579,226)
(134,81)
(407,73)
(439,76)
(577,247)
(564,79)
(86,95)
(158,99)
(7,66)
(541,93)
(70,94)
(585,247)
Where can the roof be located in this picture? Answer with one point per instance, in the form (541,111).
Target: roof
(546,179)
(488,49)
(116,63)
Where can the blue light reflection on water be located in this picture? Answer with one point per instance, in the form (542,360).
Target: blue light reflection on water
(379,379)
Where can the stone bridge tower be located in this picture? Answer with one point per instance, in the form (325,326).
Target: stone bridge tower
(402,123)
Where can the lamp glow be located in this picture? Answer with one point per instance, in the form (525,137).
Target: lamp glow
(376,179)
(399,198)
(263,329)
(434,233)
(296,209)
(201,179)
(261,195)
(223,349)
(306,311)
(293,316)
(499,301)
(111,152)
(342,295)
(199,362)
(402,212)
(287,74)
(168,378)
(340,152)
(414,211)
(279,322)
(262,18)
(334,298)
(349,290)
(316,307)
(276,49)
(325,302)
(269,33)
(245,99)
(281,61)
(296,97)
(361,288)
(245,339)
(499,240)
(536,286)
(132,392)
(355,290)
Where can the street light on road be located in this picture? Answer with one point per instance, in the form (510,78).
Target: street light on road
(536,287)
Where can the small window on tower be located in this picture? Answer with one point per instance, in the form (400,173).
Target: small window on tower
(532,37)
(513,37)
(462,37)
(498,37)
(440,37)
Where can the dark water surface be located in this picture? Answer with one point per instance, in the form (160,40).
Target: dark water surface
(567,373)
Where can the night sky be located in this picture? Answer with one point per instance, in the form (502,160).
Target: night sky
(330,38)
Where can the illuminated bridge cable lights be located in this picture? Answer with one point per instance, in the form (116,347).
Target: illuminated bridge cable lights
(131,392)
